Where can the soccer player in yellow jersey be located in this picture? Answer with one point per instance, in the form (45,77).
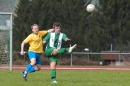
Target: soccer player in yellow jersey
(35,48)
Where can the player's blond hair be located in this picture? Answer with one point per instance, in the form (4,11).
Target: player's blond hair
(34,25)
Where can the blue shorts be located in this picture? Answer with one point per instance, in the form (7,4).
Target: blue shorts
(34,55)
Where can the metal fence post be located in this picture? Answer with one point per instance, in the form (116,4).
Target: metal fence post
(24,58)
(11,53)
(88,57)
(71,63)
(119,59)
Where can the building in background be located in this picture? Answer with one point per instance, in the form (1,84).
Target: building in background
(8,5)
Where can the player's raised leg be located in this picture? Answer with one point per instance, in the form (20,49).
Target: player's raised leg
(63,50)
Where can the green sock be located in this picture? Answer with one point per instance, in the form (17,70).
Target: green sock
(66,49)
(63,50)
(53,74)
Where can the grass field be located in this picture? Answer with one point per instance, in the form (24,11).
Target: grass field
(67,78)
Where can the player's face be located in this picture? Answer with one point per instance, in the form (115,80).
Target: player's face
(57,29)
(35,29)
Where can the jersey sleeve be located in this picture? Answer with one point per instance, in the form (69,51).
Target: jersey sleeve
(47,37)
(28,39)
(64,36)
(43,32)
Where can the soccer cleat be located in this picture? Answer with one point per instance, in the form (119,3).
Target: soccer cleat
(24,76)
(54,82)
(71,48)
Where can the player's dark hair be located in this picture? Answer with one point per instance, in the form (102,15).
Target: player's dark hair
(57,24)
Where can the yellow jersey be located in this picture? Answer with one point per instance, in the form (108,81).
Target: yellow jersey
(35,41)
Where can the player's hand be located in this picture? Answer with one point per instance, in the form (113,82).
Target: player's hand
(22,52)
(44,42)
(67,39)
(50,30)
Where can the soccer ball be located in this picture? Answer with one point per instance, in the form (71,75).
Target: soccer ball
(90,8)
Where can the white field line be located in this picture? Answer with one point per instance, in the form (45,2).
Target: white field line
(65,68)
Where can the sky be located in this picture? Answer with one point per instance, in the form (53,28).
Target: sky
(7,6)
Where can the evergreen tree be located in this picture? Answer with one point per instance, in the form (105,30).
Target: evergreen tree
(75,16)
(51,11)
(71,14)
(21,27)
(110,24)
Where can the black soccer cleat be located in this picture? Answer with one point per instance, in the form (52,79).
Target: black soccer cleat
(24,76)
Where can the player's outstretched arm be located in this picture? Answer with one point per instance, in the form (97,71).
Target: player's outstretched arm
(67,39)
(50,30)
(22,49)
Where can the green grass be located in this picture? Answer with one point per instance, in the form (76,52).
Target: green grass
(67,78)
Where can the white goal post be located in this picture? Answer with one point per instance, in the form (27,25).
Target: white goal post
(9,25)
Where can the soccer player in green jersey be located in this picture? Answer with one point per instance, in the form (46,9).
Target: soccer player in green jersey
(53,48)
(35,48)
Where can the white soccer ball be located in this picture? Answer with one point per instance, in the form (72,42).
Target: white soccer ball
(90,8)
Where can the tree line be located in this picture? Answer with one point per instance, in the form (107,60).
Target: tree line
(108,24)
